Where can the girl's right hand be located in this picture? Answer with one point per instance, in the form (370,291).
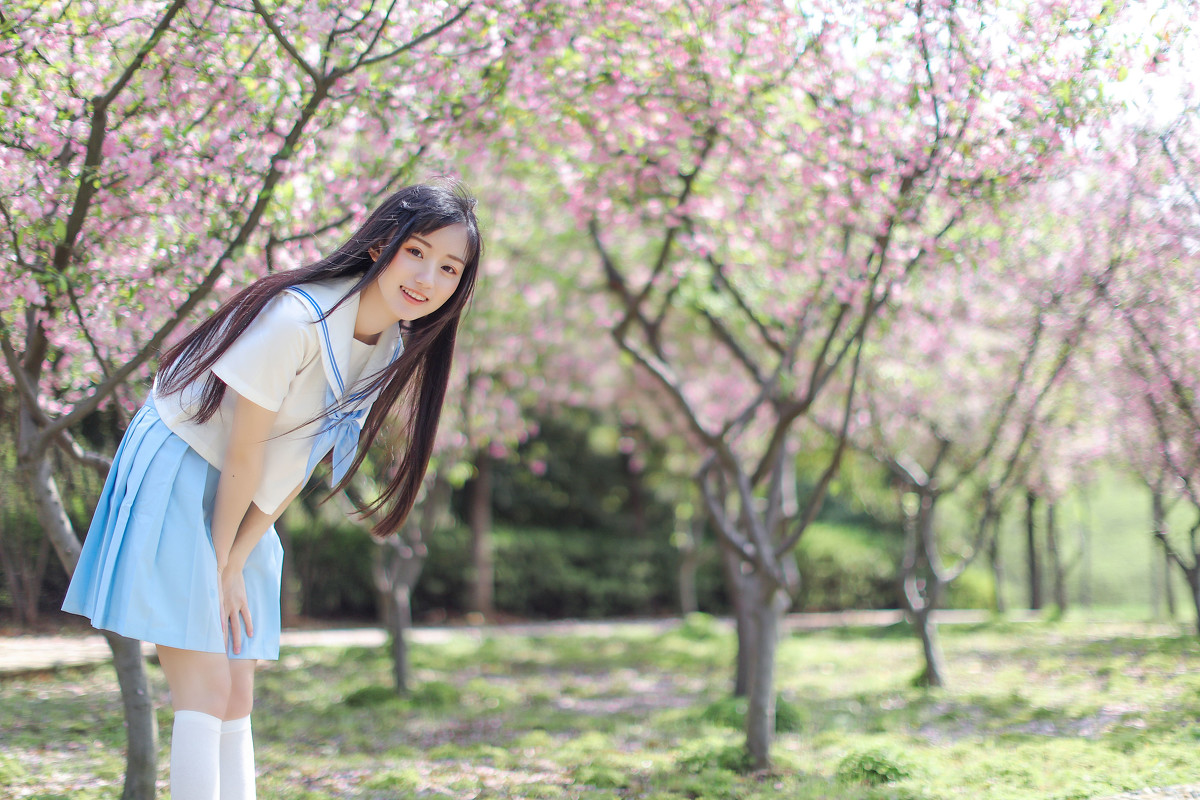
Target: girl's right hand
(234,605)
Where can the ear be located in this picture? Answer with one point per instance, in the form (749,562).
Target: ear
(374,251)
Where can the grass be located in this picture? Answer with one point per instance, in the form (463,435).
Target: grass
(1061,710)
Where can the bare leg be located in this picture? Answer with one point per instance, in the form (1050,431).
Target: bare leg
(212,696)
(199,681)
(237,739)
(241,688)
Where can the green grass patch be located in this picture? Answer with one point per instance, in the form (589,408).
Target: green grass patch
(1049,710)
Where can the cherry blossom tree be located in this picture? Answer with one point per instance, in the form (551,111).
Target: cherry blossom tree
(1153,362)
(969,389)
(760,184)
(154,153)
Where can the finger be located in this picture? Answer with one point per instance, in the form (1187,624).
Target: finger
(249,622)
(236,630)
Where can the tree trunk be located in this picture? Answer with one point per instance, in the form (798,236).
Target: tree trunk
(290,587)
(141,726)
(769,604)
(1161,569)
(483,567)
(926,628)
(1031,549)
(1057,560)
(398,565)
(24,576)
(400,616)
(689,563)
(1086,556)
(1193,576)
(736,585)
(920,601)
(1168,586)
(996,560)
(635,505)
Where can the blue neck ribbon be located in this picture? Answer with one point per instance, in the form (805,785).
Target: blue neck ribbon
(339,432)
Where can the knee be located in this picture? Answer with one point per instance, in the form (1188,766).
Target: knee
(209,694)
(241,703)
(241,697)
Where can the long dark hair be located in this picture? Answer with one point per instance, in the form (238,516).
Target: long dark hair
(421,373)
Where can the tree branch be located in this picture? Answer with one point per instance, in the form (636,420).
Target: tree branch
(817,498)
(95,143)
(424,37)
(288,47)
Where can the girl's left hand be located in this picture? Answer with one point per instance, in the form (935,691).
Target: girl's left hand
(233,605)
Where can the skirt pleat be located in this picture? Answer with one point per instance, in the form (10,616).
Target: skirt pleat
(148,569)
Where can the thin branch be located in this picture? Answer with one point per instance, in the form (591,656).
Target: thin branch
(27,390)
(723,283)
(1172,553)
(717,514)
(1010,401)
(726,337)
(817,498)
(95,142)
(1187,186)
(685,192)
(288,47)
(617,284)
(100,463)
(424,37)
(87,334)
(1177,388)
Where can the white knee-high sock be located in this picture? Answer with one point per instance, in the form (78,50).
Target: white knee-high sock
(237,760)
(195,756)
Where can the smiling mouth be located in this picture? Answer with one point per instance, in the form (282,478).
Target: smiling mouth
(416,298)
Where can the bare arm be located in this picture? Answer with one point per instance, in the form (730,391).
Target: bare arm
(241,474)
(254,525)
(238,524)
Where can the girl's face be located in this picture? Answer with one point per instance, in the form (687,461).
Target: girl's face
(424,273)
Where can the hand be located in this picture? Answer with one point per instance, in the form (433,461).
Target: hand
(234,605)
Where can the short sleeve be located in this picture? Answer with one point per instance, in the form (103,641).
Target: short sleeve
(261,364)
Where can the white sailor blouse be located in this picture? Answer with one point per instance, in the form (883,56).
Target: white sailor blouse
(298,362)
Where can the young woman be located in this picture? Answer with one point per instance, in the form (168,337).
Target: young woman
(182,550)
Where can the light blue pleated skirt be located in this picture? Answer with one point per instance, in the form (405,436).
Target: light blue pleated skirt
(148,569)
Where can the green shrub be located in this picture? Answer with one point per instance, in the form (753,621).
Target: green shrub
(402,779)
(551,574)
(730,712)
(709,757)
(600,775)
(332,562)
(371,696)
(699,627)
(873,768)
(975,588)
(846,566)
(11,771)
(435,695)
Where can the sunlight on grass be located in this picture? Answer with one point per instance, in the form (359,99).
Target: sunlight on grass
(1065,710)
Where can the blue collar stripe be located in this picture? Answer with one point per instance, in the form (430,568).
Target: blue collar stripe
(325,338)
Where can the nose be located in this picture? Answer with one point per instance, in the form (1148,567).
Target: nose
(424,276)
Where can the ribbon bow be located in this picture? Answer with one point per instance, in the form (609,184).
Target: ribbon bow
(339,432)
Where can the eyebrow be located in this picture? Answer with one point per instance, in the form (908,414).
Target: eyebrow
(427,244)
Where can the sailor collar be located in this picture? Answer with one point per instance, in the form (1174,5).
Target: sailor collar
(335,330)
